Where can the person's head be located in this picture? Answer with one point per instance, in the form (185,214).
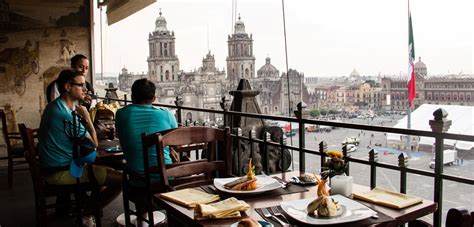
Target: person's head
(80,63)
(72,84)
(143,91)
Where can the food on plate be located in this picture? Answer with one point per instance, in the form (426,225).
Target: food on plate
(324,205)
(248,222)
(245,183)
(305,178)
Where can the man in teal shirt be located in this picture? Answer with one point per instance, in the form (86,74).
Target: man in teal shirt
(141,117)
(56,147)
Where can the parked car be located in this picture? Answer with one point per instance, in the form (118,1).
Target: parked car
(351,148)
(351,140)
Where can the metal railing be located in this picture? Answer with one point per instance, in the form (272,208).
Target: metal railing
(439,127)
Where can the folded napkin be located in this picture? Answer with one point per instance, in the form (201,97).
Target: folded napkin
(388,198)
(189,197)
(228,208)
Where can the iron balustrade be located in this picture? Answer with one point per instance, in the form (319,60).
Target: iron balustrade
(438,134)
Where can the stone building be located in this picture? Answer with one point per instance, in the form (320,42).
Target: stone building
(447,90)
(204,88)
(240,59)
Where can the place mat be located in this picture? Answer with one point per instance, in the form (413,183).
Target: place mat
(189,197)
(293,222)
(388,198)
(277,192)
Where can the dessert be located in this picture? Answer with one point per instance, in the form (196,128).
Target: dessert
(245,183)
(324,205)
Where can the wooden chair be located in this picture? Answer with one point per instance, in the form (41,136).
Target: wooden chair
(15,152)
(456,217)
(43,190)
(217,163)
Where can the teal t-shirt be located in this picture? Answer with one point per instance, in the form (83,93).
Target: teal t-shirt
(133,120)
(54,145)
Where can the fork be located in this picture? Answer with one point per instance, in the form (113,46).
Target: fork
(267,214)
(277,213)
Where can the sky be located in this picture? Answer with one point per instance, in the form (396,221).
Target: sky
(324,38)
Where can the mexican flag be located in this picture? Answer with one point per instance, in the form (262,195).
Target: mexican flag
(411,59)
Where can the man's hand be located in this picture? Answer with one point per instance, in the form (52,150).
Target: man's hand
(82,111)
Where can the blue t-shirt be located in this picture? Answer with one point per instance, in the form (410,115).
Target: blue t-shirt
(133,120)
(54,145)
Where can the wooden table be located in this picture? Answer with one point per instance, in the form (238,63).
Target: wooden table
(400,216)
(102,154)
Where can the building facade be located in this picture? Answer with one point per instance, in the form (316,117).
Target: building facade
(446,90)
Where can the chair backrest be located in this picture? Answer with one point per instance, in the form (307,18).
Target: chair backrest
(28,136)
(217,160)
(459,217)
(5,133)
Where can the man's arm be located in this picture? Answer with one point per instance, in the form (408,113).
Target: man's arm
(82,111)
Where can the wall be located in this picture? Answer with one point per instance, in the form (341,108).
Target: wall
(37,40)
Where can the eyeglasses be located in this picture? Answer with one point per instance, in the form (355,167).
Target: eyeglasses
(83,85)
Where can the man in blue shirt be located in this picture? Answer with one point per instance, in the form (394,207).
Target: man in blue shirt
(141,117)
(56,147)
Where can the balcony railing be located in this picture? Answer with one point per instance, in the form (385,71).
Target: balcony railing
(439,125)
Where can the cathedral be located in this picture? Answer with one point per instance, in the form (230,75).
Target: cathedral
(205,87)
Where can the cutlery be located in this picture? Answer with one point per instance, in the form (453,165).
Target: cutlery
(277,213)
(267,214)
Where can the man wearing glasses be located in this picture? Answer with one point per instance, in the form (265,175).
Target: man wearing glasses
(56,147)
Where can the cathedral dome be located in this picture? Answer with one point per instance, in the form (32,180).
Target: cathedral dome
(239,27)
(160,24)
(354,73)
(267,70)
(420,64)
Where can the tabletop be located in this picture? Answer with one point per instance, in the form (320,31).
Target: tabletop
(397,217)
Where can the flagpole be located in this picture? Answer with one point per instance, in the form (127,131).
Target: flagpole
(409,73)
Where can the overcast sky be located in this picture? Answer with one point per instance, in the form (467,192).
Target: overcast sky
(325,38)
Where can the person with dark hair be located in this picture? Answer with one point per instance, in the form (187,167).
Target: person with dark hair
(79,63)
(141,117)
(56,147)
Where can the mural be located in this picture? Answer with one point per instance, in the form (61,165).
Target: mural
(16,65)
(37,40)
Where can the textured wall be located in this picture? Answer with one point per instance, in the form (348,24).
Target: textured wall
(37,39)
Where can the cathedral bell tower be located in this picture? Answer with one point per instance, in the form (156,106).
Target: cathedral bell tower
(240,59)
(163,63)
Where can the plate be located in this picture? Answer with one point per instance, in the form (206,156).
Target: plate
(264,184)
(113,149)
(296,180)
(351,211)
(262,223)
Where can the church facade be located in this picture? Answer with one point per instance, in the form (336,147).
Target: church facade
(205,87)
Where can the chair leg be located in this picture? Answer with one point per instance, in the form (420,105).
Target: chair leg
(126,207)
(10,171)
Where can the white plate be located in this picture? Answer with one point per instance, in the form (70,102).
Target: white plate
(353,211)
(264,184)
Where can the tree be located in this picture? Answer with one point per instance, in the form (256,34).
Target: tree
(324,112)
(314,113)
(331,111)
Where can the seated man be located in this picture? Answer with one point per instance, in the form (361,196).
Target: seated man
(56,147)
(141,117)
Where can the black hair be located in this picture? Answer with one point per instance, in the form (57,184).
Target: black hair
(143,91)
(66,76)
(75,60)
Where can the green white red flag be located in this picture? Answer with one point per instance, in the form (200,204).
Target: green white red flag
(411,60)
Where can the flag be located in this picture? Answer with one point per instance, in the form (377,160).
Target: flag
(411,59)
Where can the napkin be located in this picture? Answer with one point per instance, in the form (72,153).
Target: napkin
(228,208)
(189,197)
(388,198)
